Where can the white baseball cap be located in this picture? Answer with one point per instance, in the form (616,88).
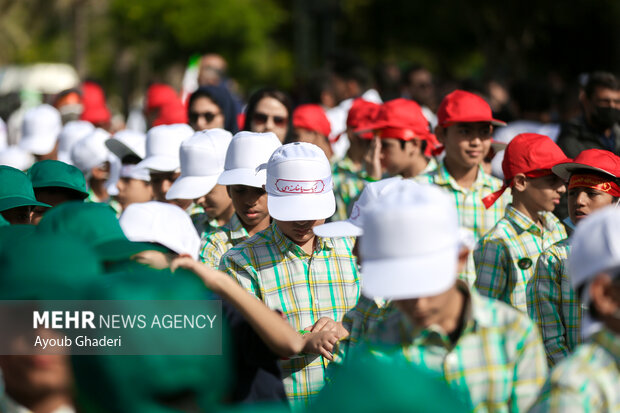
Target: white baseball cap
(162,147)
(16,157)
(161,223)
(135,172)
(90,151)
(299,183)
(352,227)
(115,174)
(40,129)
(127,142)
(246,152)
(410,244)
(202,162)
(595,246)
(70,134)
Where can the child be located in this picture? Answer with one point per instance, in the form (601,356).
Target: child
(17,196)
(506,257)
(246,152)
(310,125)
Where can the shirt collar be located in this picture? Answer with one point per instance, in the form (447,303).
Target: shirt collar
(285,244)
(235,226)
(525,223)
(482,179)
(610,341)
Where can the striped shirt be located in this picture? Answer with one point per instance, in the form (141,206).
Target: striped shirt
(498,360)
(471,211)
(506,257)
(304,287)
(553,305)
(586,381)
(349,181)
(221,240)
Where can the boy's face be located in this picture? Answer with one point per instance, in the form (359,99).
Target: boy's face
(250,203)
(544,192)
(18,216)
(161,183)
(395,156)
(300,232)
(427,311)
(216,202)
(131,191)
(466,144)
(315,138)
(583,201)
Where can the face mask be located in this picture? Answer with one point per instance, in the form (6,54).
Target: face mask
(604,117)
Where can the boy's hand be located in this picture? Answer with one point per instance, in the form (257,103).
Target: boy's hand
(372,160)
(321,343)
(327,324)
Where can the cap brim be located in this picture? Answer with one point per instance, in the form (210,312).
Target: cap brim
(305,207)
(38,146)
(18,201)
(565,169)
(492,121)
(121,249)
(119,149)
(160,164)
(411,277)
(243,176)
(338,229)
(191,187)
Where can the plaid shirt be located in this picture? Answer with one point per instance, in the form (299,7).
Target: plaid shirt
(221,240)
(506,257)
(553,304)
(204,226)
(110,201)
(349,181)
(304,287)
(498,359)
(586,381)
(361,318)
(471,211)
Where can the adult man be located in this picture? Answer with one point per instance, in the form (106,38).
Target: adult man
(599,127)
(311,280)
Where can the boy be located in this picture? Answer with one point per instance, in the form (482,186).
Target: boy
(310,125)
(551,302)
(465,125)
(17,196)
(312,280)
(488,352)
(506,256)
(246,152)
(202,162)
(587,380)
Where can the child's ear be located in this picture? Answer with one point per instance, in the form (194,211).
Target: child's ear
(519,182)
(440,133)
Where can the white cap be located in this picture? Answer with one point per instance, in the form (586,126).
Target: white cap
(90,151)
(4,136)
(115,174)
(299,183)
(40,129)
(352,227)
(127,142)
(202,162)
(410,244)
(162,147)
(161,223)
(595,246)
(135,172)
(70,134)
(246,152)
(16,157)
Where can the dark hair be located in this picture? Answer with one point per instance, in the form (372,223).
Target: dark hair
(415,67)
(223,99)
(600,79)
(350,67)
(70,194)
(269,92)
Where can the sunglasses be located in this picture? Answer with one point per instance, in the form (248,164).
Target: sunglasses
(209,116)
(261,118)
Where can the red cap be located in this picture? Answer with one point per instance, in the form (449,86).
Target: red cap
(311,117)
(461,106)
(531,154)
(361,115)
(158,95)
(597,160)
(93,102)
(240,121)
(171,113)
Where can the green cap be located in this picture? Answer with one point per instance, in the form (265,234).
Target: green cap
(4,222)
(94,223)
(371,384)
(16,189)
(46,267)
(51,173)
(12,233)
(152,383)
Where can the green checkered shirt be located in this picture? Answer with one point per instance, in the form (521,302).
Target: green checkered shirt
(204,226)
(471,211)
(498,359)
(553,304)
(506,257)
(586,381)
(361,318)
(113,203)
(349,181)
(304,287)
(221,240)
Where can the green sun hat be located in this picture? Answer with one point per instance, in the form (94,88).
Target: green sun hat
(16,189)
(96,224)
(51,173)
(46,267)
